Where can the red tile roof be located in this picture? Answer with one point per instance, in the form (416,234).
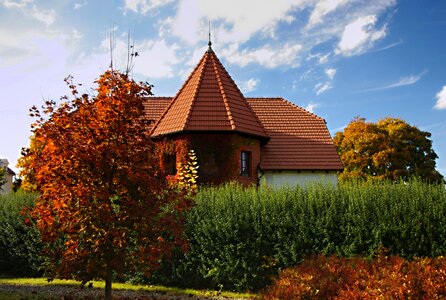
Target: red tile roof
(299,140)
(154,107)
(209,100)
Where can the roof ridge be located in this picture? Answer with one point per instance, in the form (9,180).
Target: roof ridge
(287,102)
(241,94)
(223,94)
(301,108)
(159,97)
(194,97)
(176,96)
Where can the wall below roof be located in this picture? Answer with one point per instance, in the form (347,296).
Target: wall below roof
(218,156)
(291,178)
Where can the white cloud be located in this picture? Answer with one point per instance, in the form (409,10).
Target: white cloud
(79,5)
(441,99)
(249,85)
(409,80)
(307,74)
(76,34)
(266,56)
(323,8)
(43,15)
(311,107)
(15,4)
(232,20)
(322,87)
(156,58)
(321,58)
(331,72)
(403,81)
(360,35)
(163,65)
(143,6)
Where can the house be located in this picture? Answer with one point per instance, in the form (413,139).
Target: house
(7,187)
(248,140)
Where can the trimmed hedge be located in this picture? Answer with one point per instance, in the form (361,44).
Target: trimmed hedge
(241,238)
(20,244)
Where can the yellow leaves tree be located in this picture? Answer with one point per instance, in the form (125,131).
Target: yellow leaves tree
(388,149)
(188,173)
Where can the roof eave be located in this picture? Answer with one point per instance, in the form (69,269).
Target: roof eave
(262,138)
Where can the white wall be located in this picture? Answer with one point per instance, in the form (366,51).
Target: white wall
(292,178)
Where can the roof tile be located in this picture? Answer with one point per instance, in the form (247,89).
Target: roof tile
(299,140)
(209,100)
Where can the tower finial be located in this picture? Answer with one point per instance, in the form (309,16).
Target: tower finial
(210,43)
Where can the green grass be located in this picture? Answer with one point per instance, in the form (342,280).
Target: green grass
(116,286)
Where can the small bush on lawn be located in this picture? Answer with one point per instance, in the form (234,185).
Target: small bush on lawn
(20,244)
(385,277)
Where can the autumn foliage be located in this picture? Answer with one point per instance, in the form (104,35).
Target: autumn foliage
(385,277)
(389,149)
(104,205)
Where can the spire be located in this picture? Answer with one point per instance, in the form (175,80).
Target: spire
(210,43)
(209,101)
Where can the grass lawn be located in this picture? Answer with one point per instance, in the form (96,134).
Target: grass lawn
(40,288)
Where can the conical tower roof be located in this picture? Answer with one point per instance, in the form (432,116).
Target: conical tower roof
(209,100)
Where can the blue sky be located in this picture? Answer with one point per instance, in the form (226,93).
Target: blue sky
(336,58)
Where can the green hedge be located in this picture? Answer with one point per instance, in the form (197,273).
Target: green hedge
(20,245)
(240,238)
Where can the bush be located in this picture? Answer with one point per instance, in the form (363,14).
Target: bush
(20,244)
(385,277)
(241,238)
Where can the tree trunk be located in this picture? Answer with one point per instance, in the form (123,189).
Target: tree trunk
(108,282)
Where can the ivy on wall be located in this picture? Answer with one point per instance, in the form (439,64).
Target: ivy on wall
(218,155)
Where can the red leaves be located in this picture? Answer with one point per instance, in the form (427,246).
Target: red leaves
(101,199)
(385,277)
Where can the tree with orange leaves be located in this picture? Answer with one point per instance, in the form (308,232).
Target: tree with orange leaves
(388,149)
(104,206)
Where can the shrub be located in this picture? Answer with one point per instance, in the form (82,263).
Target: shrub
(385,277)
(20,244)
(240,238)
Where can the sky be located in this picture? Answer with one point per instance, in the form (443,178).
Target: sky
(336,58)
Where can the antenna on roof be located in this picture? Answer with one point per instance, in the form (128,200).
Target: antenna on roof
(210,43)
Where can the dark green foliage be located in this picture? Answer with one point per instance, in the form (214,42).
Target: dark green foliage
(20,245)
(241,238)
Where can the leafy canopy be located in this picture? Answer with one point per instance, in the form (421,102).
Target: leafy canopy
(104,205)
(388,149)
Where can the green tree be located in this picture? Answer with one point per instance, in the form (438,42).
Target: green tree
(388,149)
(104,206)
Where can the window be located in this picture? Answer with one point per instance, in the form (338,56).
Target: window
(170,162)
(245,163)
